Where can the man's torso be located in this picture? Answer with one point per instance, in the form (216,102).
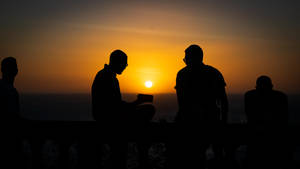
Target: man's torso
(200,89)
(9,101)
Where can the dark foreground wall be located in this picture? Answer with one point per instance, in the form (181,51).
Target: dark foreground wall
(66,134)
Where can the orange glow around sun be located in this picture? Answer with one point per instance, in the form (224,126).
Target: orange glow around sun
(64,56)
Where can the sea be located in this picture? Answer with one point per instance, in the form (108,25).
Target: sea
(78,107)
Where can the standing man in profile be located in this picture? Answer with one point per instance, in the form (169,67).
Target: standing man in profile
(116,115)
(203,105)
(10,111)
(9,97)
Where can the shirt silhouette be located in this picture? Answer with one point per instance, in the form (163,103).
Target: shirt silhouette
(116,115)
(267,114)
(265,106)
(107,100)
(202,101)
(200,91)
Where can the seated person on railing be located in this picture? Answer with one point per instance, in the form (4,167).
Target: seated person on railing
(267,114)
(111,111)
(108,106)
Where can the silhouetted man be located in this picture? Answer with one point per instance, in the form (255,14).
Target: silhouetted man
(10,109)
(111,111)
(202,103)
(200,91)
(9,97)
(264,106)
(267,115)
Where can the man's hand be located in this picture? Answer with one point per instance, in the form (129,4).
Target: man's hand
(143,98)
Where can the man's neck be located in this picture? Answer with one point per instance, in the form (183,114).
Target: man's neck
(111,69)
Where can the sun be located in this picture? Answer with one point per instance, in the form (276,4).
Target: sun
(148,84)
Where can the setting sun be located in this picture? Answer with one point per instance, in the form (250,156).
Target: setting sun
(148,84)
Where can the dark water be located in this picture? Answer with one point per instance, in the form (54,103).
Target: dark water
(78,107)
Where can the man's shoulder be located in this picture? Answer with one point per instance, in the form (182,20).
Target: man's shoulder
(104,73)
(182,71)
(251,93)
(214,73)
(279,94)
(100,73)
(212,69)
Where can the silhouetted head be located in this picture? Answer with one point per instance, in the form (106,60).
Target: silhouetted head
(193,55)
(9,67)
(264,83)
(118,61)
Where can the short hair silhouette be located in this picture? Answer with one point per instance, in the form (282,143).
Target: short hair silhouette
(193,55)
(9,66)
(118,61)
(117,57)
(264,83)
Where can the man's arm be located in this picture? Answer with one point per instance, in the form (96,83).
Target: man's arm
(95,98)
(180,95)
(222,97)
(284,110)
(224,106)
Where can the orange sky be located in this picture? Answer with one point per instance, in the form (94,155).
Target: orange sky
(63,53)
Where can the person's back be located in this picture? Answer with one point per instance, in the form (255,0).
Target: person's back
(106,96)
(267,115)
(201,92)
(200,89)
(265,106)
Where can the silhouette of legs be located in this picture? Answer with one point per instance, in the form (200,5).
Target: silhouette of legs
(119,150)
(144,114)
(37,146)
(11,151)
(143,148)
(89,149)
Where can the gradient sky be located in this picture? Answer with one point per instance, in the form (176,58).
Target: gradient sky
(61,45)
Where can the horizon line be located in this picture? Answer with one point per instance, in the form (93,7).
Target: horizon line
(129,93)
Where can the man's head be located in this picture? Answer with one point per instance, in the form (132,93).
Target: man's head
(9,67)
(118,61)
(264,83)
(193,55)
